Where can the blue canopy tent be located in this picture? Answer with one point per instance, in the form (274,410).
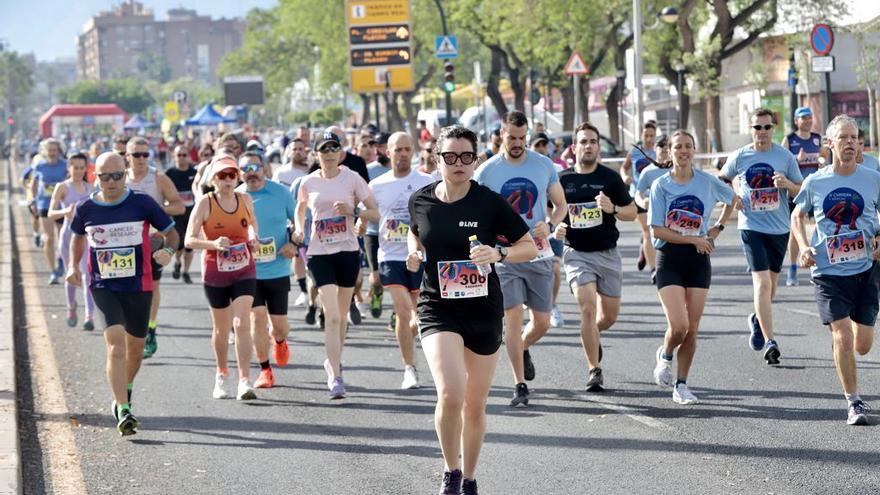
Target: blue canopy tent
(137,123)
(208,116)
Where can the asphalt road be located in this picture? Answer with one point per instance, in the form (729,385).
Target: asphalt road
(756,430)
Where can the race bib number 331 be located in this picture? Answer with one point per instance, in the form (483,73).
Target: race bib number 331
(233,258)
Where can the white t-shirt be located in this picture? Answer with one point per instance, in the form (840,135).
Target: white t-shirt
(392,196)
(286,174)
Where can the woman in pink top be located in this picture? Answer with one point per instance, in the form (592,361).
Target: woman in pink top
(331,193)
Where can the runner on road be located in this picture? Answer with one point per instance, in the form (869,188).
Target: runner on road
(116,221)
(148,180)
(864,158)
(375,169)
(461,308)
(766,175)
(651,173)
(680,209)
(64,200)
(597,197)
(182,176)
(49,172)
(224,225)
(332,193)
(392,192)
(538,142)
(274,207)
(631,171)
(843,254)
(527,181)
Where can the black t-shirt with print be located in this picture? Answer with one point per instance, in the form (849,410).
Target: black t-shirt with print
(444,228)
(583,188)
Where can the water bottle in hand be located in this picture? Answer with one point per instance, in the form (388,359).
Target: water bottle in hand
(484,269)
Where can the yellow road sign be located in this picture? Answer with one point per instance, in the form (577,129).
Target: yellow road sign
(371,12)
(372,79)
(379,45)
(172,111)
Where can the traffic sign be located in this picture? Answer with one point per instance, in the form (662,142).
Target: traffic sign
(575,65)
(179,96)
(379,43)
(822,39)
(172,111)
(822,64)
(446,47)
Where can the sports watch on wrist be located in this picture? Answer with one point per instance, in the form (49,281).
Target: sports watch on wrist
(502,251)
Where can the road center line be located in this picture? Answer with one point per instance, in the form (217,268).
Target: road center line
(628,412)
(802,312)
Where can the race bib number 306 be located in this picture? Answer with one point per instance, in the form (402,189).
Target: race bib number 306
(584,215)
(116,263)
(684,222)
(461,280)
(850,246)
(331,230)
(765,199)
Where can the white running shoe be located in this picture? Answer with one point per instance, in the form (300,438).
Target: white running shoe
(681,394)
(231,339)
(556,318)
(663,370)
(219,387)
(245,391)
(301,300)
(410,378)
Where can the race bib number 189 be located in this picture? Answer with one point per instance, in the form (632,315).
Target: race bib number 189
(850,246)
(265,250)
(461,280)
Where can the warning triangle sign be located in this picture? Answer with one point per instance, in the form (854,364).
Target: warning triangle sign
(575,65)
(446,47)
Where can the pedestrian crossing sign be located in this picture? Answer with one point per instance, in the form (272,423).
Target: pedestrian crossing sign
(446,47)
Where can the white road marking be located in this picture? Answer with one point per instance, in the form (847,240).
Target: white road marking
(628,412)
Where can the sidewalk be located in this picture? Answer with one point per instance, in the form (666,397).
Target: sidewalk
(10,455)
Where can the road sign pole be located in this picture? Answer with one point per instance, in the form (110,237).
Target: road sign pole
(448,93)
(576,82)
(827,98)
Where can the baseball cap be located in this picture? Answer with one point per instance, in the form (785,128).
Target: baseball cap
(538,137)
(382,137)
(254,145)
(326,137)
(803,112)
(221,164)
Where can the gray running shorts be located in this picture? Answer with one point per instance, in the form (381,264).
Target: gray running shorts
(529,283)
(602,267)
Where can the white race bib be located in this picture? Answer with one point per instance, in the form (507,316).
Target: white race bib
(584,215)
(461,280)
(764,199)
(850,246)
(686,223)
(233,258)
(331,230)
(396,230)
(116,262)
(265,251)
(545,251)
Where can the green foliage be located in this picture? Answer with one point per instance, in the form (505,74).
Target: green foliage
(297,117)
(20,80)
(198,92)
(329,115)
(129,94)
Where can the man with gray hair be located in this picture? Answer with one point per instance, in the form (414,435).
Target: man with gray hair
(844,199)
(48,173)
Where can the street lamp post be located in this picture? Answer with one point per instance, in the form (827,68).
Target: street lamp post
(668,15)
(621,82)
(679,70)
(448,93)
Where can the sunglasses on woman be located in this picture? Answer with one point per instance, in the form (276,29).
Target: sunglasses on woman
(330,149)
(224,175)
(114,176)
(451,157)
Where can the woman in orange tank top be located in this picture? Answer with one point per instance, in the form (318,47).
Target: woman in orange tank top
(227,223)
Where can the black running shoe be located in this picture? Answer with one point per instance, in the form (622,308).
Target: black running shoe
(469,487)
(187,279)
(528,366)
(520,396)
(354,314)
(596,381)
(310,315)
(176,273)
(451,483)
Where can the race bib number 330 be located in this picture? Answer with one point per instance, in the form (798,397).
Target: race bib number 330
(331,230)
(850,246)
(461,280)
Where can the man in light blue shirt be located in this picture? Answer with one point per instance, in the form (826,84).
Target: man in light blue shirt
(842,253)
(866,159)
(526,180)
(765,175)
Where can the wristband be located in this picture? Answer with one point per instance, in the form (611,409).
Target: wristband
(169,250)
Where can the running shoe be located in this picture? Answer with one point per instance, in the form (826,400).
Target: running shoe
(756,338)
(663,370)
(354,314)
(681,394)
(187,279)
(596,381)
(88,325)
(245,391)
(220,387)
(451,483)
(300,300)
(72,318)
(321,320)
(337,388)
(231,339)
(520,396)
(376,305)
(410,378)
(642,260)
(392,322)
(653,276)
(771,353)
(54,279)
(469,487)
(176,273)
(310,315)
(38,240)
(791,280)
(150,344)
(127,424)
(114,411)
(528,366)
(281,353)
(556,318)
(265,380)
(858,414)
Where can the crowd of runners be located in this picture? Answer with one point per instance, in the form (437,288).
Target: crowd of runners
(470,245)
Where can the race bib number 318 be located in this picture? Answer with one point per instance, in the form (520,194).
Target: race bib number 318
(850,246)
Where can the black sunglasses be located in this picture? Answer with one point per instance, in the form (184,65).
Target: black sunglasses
(451,157)
(330,149)
(765,127)
(114,176)
(139,155)
(182,155)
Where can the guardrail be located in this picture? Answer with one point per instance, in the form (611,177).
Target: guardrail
(10,451)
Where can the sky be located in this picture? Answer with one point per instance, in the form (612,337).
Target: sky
(53,36)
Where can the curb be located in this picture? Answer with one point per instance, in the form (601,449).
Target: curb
(10,453)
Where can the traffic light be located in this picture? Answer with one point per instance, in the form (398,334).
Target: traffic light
(448,77)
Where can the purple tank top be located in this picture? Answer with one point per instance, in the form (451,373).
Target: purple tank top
(72,196)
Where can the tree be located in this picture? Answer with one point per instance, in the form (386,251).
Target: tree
(16,79)
(129,94)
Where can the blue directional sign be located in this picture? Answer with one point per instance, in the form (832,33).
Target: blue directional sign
(446,47)
(822,39)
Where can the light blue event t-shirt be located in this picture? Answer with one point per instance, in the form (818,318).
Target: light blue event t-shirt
(870,161)
(647,177)
(375,170)
(765,207)
(640,163)
(523,186)
(686,208)
(273,206)
(845,208)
